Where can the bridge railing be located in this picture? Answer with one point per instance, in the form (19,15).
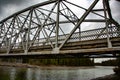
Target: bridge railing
(95,34)
(100,33)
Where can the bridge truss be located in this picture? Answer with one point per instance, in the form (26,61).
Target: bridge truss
(55,24)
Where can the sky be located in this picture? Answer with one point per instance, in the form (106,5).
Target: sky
(8,7)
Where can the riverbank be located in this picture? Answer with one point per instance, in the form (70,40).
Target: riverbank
(115,76)
(109,77)
(18,65)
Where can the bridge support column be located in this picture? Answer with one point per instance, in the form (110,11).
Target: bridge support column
(109,43)
(55,51)
(25,51)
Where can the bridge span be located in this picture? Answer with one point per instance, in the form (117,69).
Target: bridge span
(84,45)
(54,28)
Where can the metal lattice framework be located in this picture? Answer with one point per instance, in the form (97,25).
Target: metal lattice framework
(54,23)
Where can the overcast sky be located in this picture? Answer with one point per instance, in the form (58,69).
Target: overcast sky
(8,7)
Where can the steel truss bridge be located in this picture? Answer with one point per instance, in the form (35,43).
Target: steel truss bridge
(60,27)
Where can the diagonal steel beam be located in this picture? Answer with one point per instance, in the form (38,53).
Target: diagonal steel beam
(12,27)
(8,29)
(80,21)
(29,8)
(42,26)
(110,15)
(84,8)
(17,35)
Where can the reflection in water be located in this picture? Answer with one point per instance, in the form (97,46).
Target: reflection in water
(38,74)
(21,74)
(58,73)
(3,75)
(12,73)
(29,74)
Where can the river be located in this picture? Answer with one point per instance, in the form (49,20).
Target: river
(54,73)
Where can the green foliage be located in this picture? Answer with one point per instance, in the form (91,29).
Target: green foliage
(54,61)
(63,62)
(110,63)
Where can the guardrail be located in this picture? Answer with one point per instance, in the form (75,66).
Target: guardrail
(100,33)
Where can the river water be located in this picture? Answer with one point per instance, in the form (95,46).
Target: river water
(54,73)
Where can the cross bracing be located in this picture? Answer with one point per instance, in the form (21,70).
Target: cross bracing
(54,24)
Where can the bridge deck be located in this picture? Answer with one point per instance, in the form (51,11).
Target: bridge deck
(84,53)
(89,47)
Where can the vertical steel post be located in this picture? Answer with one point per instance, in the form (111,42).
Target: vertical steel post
(80,33)
(28,32)
(8,42)
(57,24)
(79,22)
(26,42)
(107,24)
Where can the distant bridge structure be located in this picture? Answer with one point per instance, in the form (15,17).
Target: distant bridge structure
(60,27)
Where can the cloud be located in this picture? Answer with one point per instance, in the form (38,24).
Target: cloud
(8,7)
(4,3)
(115,8)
